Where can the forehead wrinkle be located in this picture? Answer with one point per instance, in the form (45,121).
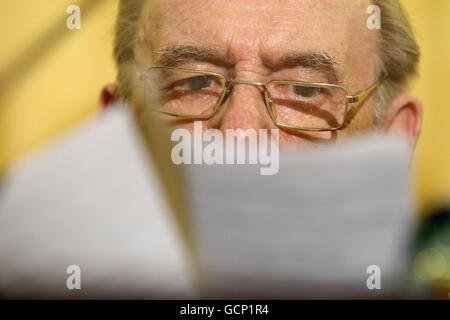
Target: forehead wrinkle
(269,27)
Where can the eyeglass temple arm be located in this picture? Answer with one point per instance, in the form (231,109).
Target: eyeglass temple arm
(362,94)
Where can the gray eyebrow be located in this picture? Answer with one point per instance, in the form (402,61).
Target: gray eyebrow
(317,61)
(176,55)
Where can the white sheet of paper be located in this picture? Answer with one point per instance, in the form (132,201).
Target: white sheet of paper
(90,199)
(312,229)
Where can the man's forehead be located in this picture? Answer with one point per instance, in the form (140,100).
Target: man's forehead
(250,26)
(256,6)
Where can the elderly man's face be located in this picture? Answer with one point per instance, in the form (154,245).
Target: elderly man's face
(251,40)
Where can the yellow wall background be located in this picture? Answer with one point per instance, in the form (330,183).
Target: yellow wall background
(50,78)
(431,23)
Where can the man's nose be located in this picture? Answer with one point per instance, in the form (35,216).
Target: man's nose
(244,108)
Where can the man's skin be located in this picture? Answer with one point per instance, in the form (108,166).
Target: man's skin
(249,38)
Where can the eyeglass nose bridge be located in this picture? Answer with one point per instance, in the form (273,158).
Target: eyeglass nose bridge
(265,93)
(253,83)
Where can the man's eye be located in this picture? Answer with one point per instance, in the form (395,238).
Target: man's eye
(306,92)
(195,83)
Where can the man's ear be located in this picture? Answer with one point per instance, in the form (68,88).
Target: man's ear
(107,96)
(404,117)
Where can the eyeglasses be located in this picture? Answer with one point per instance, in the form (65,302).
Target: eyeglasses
(293,105)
